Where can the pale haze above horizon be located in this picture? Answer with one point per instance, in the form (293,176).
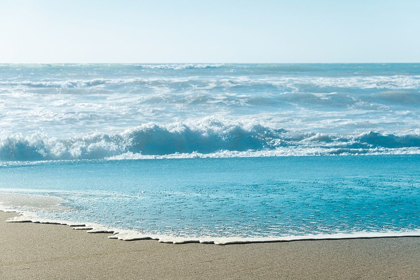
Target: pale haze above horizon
(163,31)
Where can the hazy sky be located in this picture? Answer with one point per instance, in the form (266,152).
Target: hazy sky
(84,31)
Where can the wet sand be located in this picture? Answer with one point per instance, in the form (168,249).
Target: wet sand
(35,251)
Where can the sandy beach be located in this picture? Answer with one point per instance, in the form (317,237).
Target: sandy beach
(35,251)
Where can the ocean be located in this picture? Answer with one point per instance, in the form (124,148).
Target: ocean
(213,153)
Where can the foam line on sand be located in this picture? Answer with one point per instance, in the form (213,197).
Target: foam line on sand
(37,251)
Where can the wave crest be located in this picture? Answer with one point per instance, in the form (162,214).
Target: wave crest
(212,139)
(182,66)
(295,84)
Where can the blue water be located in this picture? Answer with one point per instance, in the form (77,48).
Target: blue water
(234,198)
(234,151)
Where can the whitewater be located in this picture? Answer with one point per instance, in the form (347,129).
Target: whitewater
(67,112)
(214,152)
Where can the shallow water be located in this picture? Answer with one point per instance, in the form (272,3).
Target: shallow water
(232,198)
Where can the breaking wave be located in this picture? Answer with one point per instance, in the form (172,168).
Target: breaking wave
(290,83)
(213,140)
(180,66)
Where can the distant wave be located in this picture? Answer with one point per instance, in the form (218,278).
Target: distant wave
(204,140)
(181,66)
(291,83)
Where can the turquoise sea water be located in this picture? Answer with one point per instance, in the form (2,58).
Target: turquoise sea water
(203,151)
(233,198)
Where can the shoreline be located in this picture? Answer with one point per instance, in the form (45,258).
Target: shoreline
(34,251)
(129,235)
(10,202)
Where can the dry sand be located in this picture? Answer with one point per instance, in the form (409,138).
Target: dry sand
(34,251)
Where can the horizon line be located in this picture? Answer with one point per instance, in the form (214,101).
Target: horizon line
(47,63)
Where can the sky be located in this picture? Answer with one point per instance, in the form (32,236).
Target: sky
(202,31)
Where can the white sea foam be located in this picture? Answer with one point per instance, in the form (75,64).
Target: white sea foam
(72,112)
(132,235)
(71,101)
(180,66)
(208,139)
(369,82)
